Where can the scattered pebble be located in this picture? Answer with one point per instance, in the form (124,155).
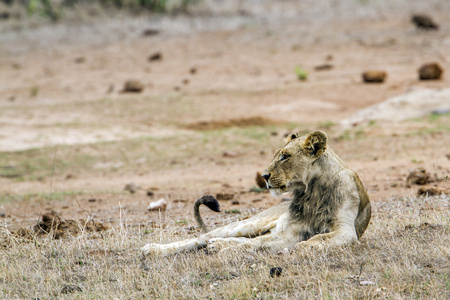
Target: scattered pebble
(155,57)
(150,32)
(430,71)
(323,67)
(276,272)
(159,205)
(80,60)
(417,176)
(131,187)
(133,86)
(374,76)
(424,22)
(69,289)
(224,196)
(229,154)
(366,283)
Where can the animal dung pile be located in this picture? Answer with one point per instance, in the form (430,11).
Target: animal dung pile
(374,76)
(418,176)
(424,22)
(430,71)
(133,86)
(54,225)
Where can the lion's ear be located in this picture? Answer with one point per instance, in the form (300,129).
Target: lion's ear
(315,143)
(290,137)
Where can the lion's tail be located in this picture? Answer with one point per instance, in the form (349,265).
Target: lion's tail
(210,202)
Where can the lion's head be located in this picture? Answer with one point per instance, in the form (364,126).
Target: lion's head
(292,163)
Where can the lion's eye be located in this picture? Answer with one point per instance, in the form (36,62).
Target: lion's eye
(284,156)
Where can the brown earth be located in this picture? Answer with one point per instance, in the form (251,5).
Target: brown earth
(244,83)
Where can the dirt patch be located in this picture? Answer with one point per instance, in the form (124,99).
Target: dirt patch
(53,225)
(239,122)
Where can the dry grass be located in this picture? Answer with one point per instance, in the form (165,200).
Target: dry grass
(403,254)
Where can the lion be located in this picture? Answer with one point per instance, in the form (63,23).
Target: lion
(330,206)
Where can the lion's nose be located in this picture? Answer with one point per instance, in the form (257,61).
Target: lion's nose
(266,176)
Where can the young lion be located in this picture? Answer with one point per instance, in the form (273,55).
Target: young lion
(330,205)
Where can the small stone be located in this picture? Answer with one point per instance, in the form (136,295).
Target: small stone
(150,32)
(424,22)
(417,176)
(150,193)
(366,283)
(193,70)
(430,71)
(374,76)
(69,289)
(159,205)
(133,86)
(131,187)
(80,60)
(235,202)
(276,272)
(224,196)
(323,67)
(229,154)
(155,57)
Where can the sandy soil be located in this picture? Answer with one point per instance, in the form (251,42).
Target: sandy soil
(62,86)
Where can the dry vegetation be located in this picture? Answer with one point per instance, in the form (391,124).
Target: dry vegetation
(210,113)
(403,254)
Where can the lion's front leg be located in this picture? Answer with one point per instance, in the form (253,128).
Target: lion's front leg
(342,236)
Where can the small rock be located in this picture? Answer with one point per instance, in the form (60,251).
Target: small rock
(69,289)
(155,57)
(367,282)
(224,196)
(2,215)
(150,193)
(417,176)
(235,202)
(374,76)
(150,32)
(159,205)
(324,67)
(92,200)
(430,71)
(4,15)
(424,22)
(256,200)
(179,201)
(229,154)
(133,86)
(260,180)
(193,70)
(131,187)
(276,272)
(80,60)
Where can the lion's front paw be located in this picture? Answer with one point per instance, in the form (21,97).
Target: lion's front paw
(152,250)
(310,245)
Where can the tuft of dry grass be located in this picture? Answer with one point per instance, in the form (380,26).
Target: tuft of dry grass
(403,254)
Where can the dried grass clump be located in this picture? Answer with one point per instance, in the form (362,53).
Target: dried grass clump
(403,254)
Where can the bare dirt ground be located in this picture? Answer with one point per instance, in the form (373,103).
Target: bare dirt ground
(213,110)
